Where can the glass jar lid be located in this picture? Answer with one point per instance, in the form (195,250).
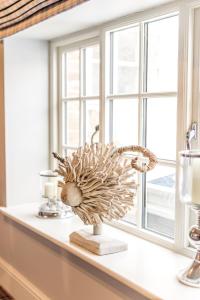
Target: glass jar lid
(48,173)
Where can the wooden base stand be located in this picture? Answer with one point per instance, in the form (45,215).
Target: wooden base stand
(98,244)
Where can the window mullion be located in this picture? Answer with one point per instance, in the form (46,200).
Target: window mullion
(143,122)
(139,211)
(103,85)
(83,94)
(81,90)
(61,110)
(111,87)
(111,121)
(111,83)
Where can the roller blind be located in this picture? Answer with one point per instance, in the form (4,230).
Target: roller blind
(16,15)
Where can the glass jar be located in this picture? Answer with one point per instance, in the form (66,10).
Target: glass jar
(50,192)
(190,194)
(190,177)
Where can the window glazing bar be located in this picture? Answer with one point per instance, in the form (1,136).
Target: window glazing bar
(143,95)
(81,98)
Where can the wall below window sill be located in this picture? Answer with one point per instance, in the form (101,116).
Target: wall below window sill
(145,267)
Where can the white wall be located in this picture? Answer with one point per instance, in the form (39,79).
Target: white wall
(26,117)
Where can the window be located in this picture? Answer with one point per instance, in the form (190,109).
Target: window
(141,109)
(137,102)
(79,95)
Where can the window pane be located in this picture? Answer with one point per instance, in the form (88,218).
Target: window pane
(161,127)
(130,217)
(162,55)
(92,119)
(72,74)
(125,121)
(72,123)
(125,61)
(160,200)
(92,70)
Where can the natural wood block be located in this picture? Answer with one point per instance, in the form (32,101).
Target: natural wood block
(98,244)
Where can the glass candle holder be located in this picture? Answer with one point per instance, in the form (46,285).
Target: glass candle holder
(53,207)
(190,195)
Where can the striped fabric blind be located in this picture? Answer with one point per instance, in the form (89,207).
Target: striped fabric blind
(16,15)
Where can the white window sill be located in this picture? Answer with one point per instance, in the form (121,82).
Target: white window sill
(147,268)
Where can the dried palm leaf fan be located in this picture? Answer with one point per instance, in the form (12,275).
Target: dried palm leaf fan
(98,183)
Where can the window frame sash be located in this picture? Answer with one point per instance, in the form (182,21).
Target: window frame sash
(77,46)
(141,96)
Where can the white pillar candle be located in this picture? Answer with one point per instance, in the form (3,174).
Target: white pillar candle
(196,181)
(54,180)
(50,190)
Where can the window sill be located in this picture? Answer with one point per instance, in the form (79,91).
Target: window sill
(145,267)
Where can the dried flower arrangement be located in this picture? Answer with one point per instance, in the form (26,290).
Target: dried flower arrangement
(98,182)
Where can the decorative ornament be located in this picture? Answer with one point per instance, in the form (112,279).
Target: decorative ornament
(98,184)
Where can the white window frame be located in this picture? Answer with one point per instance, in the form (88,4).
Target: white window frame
(185,117)
(81,98)
(140,96)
